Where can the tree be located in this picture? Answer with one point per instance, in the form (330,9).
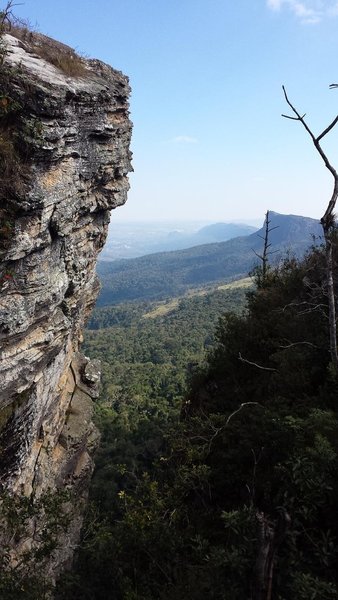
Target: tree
(328,224)
(264,257)
(6,15)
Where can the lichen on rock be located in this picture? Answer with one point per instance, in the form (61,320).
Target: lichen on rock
(72,157)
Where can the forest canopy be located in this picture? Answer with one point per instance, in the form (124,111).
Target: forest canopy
(234,495)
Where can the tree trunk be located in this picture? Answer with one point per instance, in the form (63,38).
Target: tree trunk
(270,536)
(331,298)
(328,224)
(265,558)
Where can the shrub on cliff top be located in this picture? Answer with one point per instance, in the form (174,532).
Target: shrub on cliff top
(15,132)
(61,56)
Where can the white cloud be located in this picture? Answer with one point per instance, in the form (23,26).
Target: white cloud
(308,11)
(184,139)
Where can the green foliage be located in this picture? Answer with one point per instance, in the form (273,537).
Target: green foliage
(257,439)
(306,587)
(167,274)
(30,533)
(144,368)
(149,357)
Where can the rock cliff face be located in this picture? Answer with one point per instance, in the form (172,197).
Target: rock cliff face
(68,138)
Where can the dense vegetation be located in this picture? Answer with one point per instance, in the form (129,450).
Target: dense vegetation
(167,274)
(147,354)
(236,497)
(24,570)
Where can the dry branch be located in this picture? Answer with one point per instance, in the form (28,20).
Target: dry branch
(328,223)
(249,362)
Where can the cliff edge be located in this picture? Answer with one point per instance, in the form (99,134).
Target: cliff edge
(64,157)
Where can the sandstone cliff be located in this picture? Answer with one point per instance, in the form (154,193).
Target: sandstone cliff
(64,154)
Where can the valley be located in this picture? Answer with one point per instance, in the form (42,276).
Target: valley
(213,404)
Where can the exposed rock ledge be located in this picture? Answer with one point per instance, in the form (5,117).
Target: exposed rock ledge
(75,135)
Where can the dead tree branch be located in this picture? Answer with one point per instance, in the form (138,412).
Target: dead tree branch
(6,15)
(239,409)
(264,257)
(218,430)
(328,224)
(292,344)
(253,364)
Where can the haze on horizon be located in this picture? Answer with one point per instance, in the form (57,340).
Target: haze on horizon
(209,141)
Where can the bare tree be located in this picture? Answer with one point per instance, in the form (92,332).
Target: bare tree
(6,14)
(328,224)
(264,257)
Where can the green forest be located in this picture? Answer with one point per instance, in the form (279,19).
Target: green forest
(217,472)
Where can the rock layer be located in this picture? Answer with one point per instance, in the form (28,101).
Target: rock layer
(73,136)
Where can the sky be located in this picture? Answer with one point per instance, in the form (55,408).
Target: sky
(209,142)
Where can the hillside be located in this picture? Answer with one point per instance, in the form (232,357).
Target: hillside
(167,274)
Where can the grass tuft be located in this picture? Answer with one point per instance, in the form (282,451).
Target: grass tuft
(61,56)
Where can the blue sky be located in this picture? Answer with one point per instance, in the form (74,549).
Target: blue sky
(209,141)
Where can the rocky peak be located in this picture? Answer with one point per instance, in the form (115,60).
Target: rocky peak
(64,142)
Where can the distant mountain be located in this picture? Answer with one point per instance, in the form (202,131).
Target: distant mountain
(293,232)
(209,234)
(221,232)
(130,240)
(167,274)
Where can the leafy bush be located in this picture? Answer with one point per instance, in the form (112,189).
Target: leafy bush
(35,526)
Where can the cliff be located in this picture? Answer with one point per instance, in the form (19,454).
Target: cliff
(64,158)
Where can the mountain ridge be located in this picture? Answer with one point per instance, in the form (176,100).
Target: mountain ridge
(164,274)
(149,238)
